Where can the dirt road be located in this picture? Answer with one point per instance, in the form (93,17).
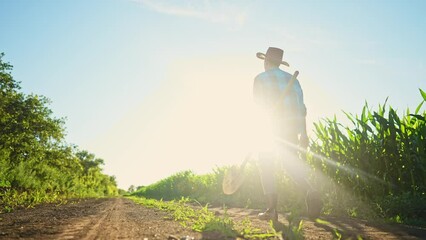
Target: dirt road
(115,218)
(120,218)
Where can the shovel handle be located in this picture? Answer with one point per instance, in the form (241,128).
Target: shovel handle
(248,157)
(287,89)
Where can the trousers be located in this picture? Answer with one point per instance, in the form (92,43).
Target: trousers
(285,156)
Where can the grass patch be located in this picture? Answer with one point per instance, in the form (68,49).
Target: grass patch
(203,220)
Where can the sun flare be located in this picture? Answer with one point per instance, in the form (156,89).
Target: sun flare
(203,116)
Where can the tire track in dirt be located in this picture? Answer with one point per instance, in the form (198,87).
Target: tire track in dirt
(88,227)
(96,230)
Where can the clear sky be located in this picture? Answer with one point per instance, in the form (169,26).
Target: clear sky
(154,86)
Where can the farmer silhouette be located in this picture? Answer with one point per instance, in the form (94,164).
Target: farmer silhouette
(282,101)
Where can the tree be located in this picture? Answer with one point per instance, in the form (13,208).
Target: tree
(34,157)
(27,132)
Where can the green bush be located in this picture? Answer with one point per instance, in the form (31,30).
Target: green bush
(36,165)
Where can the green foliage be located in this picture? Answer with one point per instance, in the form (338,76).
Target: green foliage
(381,157)
(36,165)
(200,220)
(408,208)
(205,188)
(203,220)
(249,232)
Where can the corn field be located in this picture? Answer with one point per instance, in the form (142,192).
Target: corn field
(378,162)
(381,156)
(387,153)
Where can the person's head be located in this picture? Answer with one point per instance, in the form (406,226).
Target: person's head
(270,64)
(273,58)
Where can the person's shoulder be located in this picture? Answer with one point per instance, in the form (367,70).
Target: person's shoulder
(282,72)
(261,76)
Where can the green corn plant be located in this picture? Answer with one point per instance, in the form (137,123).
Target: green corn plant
(381,154)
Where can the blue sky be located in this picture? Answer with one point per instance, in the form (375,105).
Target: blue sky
(155,87)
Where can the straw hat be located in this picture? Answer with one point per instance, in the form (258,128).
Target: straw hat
(274,55)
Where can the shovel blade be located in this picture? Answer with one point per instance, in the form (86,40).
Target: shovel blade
(233,179)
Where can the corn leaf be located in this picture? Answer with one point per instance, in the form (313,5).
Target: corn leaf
(423,94)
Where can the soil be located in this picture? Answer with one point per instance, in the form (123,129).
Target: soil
(120,218)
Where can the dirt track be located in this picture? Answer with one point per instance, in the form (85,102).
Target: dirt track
(120,218)
(116,218)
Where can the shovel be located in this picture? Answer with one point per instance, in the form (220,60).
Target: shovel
(234,176)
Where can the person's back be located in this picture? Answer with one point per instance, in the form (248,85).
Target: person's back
(288,113)
(270,84)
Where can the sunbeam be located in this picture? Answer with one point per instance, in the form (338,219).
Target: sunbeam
(351,170)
